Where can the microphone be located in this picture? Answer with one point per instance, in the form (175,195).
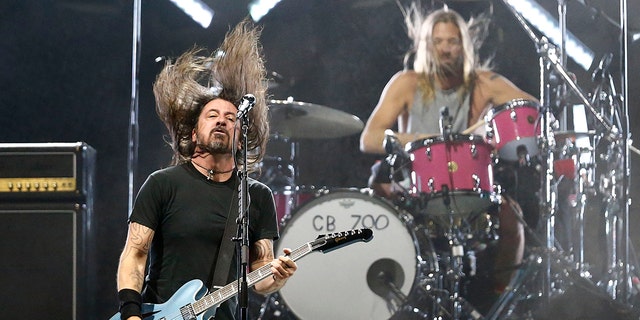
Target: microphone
(601,71)
(391,143)
(445,123)
(397,157)
(246,104)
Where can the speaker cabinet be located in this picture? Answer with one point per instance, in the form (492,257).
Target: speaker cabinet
(43,260)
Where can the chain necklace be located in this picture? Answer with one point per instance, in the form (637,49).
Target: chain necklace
(211,172)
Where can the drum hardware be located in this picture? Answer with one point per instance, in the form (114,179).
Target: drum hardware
(554,80)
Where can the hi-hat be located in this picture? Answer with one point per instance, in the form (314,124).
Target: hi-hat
(302,120)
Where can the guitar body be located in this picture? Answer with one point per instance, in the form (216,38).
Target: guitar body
(190,292)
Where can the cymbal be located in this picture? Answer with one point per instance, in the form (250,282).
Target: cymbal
(302,120)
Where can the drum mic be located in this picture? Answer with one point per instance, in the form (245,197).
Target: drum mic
(385,277)
(397,157)
(445,123)
(391,143)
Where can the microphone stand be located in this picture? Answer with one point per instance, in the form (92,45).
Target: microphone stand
(243,219)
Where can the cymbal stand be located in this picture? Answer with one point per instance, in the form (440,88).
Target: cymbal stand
(459,308)
(553,77)
(611,186)
(286,167)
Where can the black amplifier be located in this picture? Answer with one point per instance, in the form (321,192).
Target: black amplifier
(46,170)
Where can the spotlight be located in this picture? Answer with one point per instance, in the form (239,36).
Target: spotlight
(197,10)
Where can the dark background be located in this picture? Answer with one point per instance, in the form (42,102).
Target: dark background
(65,76)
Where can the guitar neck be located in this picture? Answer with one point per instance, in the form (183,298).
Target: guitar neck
(223,294)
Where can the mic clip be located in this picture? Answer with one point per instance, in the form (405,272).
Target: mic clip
(246,104)
(446,124)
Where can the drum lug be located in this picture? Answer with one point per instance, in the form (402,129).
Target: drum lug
(476,182)
(512,114)
(431,185)
(489,133)
(428,153)
(474,151)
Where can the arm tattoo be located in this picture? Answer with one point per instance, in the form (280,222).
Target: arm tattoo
(262,253)
(141,237)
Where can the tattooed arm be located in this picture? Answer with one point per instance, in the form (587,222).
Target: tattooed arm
(134,257)
(283,267)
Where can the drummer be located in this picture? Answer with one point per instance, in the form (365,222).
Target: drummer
(446,72)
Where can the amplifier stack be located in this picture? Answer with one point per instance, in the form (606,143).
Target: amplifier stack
(46,237)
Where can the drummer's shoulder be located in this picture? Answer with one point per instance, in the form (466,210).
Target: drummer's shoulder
(405,79)
(488,75)
(405,75)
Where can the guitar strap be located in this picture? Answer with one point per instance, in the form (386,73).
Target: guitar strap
(226,250)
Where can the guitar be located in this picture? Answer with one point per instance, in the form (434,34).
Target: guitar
(192,301)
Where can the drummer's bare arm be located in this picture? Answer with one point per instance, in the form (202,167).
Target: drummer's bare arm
(499,90)
(394,102)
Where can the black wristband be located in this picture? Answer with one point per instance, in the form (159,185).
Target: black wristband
(130,303)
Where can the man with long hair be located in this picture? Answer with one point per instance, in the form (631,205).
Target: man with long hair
(446,72)
(177,224)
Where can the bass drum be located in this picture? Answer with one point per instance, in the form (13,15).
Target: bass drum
(357,281)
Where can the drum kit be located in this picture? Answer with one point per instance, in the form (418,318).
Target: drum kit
(426,241)
(429,239)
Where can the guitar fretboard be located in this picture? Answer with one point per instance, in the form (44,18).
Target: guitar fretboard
(221,295)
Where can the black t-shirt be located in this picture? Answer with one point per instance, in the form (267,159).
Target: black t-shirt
(188,214)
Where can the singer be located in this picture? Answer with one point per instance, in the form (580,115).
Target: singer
(181,213)
(446,72)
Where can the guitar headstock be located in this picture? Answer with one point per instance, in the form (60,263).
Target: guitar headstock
(329,242)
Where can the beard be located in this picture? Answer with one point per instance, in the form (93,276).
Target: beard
(450,69)
(214,144)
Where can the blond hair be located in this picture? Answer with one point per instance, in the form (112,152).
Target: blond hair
(425,63)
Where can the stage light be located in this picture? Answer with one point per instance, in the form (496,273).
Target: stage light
(197,10)
(549,26)
(260,8)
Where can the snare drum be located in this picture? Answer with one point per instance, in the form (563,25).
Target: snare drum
(456,175)
(348,283)
(512,129)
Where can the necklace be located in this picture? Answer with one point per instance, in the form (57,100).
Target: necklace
(211,172)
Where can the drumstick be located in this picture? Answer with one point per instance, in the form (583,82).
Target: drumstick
(475,126)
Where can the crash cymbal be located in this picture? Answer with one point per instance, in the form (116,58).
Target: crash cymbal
(302,120)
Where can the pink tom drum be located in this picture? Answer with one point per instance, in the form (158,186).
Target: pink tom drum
(456,174)
(512,129)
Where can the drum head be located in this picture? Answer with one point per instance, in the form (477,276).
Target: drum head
(350,282)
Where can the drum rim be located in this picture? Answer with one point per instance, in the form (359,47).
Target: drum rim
(330,194)
(457,138)
(510,104)
(492,197)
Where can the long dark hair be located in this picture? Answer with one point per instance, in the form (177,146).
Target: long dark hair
(185,85)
